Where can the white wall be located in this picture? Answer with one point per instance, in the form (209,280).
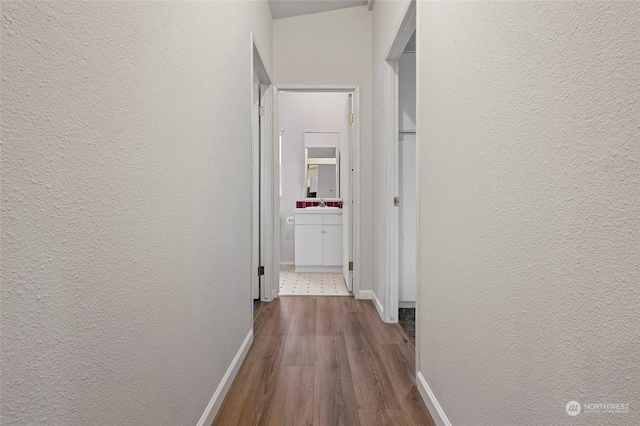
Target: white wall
(529,209)
(407,92)
(407,220)
(387,15)
(299,112)
(334,48)
(327,181)
(407,176)
(126,207)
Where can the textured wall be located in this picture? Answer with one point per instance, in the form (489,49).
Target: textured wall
(300,112)
(334,48)
(125,283)
(529,185)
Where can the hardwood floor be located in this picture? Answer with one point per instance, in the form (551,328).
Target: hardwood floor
(324,361)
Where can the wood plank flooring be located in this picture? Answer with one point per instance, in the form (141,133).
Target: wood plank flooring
(324,361)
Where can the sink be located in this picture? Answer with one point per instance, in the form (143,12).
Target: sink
(310,210)
(321,208)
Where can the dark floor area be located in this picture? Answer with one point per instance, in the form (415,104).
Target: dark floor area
(407,320)
(256,302)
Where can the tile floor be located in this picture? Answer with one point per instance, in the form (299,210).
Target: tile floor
(407,320)
(311,284)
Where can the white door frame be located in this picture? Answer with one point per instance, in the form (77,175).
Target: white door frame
(261,149)
(403,33)
(355,91)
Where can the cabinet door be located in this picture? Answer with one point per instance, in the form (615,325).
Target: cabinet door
(332,245)
(308,247)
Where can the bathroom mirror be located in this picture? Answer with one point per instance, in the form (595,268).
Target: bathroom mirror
(321,164)
(322,178)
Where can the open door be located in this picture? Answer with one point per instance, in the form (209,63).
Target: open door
(262,204)
(256,280)
(407,221)
(346,193)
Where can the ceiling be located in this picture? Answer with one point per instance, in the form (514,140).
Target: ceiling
(288,8)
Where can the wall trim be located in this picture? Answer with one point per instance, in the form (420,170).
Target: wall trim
(218,396)
(365,295)
(354,90)
(378,305)
(439,417)
(322,269)
(263,244)
(287,263)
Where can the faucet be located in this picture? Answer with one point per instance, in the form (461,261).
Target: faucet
(322,203)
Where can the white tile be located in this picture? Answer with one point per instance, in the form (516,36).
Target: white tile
(310,284)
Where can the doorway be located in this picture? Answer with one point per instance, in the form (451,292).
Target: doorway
(318,190)
(407,188)
(261,200)
(257,233)
(401,159)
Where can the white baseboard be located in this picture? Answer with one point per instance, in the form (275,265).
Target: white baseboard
(218,396)
(432,403)
(378,306)
(287,263)
(320,269)
(406,305)
(365,295)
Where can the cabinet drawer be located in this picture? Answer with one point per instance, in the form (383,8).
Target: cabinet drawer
(332,219)
(308,219)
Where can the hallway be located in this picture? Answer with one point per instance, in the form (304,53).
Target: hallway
(147,187)
(324,361)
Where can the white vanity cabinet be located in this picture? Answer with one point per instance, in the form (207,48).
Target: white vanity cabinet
(318,240)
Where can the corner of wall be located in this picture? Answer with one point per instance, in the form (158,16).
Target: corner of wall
(210,412)
(434,407)
(378,304)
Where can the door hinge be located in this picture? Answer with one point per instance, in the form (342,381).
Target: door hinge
(350,118)
(396,201)
(260,110)
(351,266)
(260,270)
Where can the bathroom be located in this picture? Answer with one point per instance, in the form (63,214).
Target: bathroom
(315,132)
